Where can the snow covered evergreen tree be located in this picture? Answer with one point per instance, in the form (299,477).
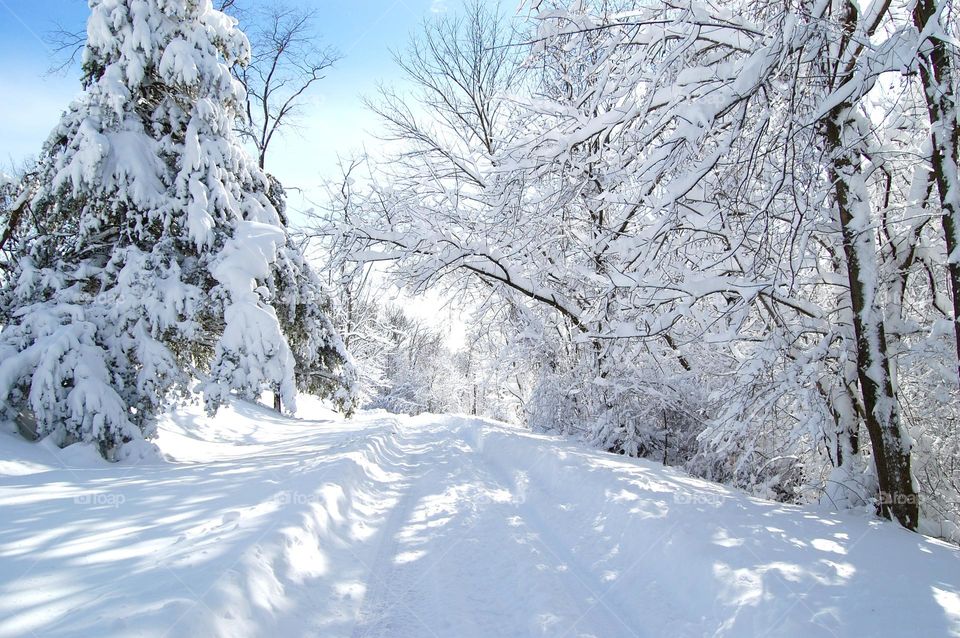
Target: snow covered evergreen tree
(8,194)
(323,366)
(152,243)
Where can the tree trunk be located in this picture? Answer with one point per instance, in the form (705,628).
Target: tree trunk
(277,404)
(937,76)
(891,447)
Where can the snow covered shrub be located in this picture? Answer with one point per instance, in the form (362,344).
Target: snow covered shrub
(934,410)
(557,404)
(414,365)
(651,417)
(151,242)
(627,409)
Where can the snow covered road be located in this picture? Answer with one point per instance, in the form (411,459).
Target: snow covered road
(387,526)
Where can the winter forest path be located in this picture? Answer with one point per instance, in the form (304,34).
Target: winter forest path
(391,526)
(464,553)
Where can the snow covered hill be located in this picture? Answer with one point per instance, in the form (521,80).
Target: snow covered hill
(257,525)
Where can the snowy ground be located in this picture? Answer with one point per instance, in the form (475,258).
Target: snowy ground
(258,525)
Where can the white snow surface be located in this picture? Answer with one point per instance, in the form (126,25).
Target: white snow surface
(253,524)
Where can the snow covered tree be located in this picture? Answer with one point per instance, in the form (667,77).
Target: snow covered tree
(844,126)
(712,220)
(322,364)
(940,81)
(152,241)
(10,211)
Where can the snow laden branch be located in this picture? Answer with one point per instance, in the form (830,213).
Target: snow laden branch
(714,226)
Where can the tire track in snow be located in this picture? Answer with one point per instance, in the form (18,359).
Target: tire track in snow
(381,598)
(483,535)
(592,589)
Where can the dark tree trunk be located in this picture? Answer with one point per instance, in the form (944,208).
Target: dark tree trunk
(845,148)
(937,76)
(891,449)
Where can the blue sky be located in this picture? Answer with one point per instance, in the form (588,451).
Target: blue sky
(333,122)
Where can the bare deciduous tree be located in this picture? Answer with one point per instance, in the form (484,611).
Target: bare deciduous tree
(286,61)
